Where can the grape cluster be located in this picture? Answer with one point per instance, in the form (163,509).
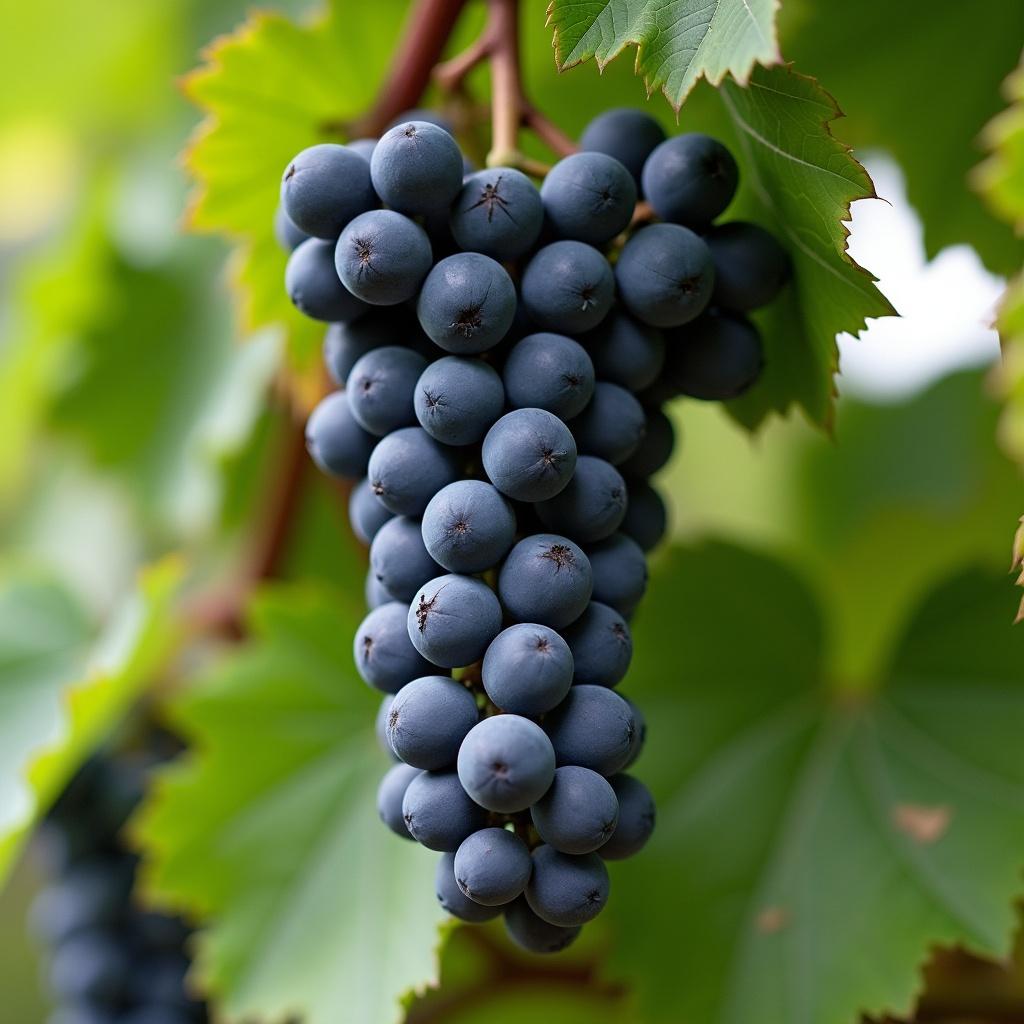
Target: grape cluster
(111,962)
(503,353)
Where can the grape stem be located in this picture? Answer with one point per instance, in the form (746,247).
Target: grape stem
(222,612)
(510,108)
(424,38)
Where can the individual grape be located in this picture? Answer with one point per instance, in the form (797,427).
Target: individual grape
(593,728)
(549,371)
(452,619)
(567,890)
(374,593)
(716,358)
(385,656)
(578,813)
(750,265)
(646,516)
(338,445)
(391,793)
(527,669)
(380,388)
(454,900)
(591,506)
(612,425)
(506,763)
(416,168)
(408,467)
(601,645)
(625,352)
(429,719)
(458,398)
(636,818)
(438,813)
(568,287)
(627,134)
(588,197)
(665,275)
(399,559)
(690,179)
(312,284)
(468,526)
(91,965)
(529,454)
(382,257)
(545,579)
(364,147)
(324,187)
(345,344)
(639,736)
(467,303)
(656,450)
(365,513)
(534,934)
(492,866)
(381,726)
(287,234)
(619,571)
(498,212)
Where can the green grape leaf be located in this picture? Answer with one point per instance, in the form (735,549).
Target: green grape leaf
(268,90)
(928,122)
(487,979)
(801,181)
(813,842)
(677,43)
(60,692)
(270,828)
(914,486)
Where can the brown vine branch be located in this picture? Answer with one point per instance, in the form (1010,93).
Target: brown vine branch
(548,132)
(510,107)
(424,38)
(222,612)
(451,75)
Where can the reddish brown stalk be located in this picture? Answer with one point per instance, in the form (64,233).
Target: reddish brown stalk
(222,612)
(451,75)
(510,108)
(548,132)
(424,38)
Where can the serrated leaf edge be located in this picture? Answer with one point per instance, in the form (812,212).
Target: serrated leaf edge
(740,76)
(869,192)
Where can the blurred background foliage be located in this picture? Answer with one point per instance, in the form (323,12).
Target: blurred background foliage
(134,392)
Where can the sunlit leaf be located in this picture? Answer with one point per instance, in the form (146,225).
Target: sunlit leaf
(61,693)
